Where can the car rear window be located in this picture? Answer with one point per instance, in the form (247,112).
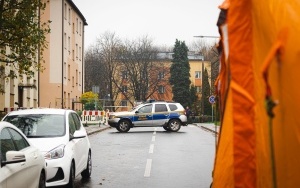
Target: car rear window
(160,108)
(173,107)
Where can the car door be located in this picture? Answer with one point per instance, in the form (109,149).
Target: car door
(80,145)
(143,115)
(19,174)
(160,115)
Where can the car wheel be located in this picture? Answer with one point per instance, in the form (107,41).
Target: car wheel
(174,125)
(124,126)
(166,128)
(88,171)
(71,183)
(42,181)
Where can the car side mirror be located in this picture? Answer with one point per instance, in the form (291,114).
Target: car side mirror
(13,157)
(78,134)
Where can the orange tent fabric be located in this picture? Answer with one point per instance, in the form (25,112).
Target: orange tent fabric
(259,142)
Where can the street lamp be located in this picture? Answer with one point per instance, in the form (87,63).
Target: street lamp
(201,36)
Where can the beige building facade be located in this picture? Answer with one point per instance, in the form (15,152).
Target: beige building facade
(61,82)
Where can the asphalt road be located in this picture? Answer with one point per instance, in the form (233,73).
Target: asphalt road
(151,157)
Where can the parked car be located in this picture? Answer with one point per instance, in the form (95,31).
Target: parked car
(169,115)
(22,165)
(61,137)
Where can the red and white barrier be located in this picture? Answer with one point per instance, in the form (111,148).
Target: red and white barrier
(94,117)
(7,110)
(10,109)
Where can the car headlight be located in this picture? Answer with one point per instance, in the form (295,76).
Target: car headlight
(56,153)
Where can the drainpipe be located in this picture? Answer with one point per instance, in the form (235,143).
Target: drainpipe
(62,63)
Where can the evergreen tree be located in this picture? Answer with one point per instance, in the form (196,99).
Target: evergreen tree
(206,93)
(180,74)
(195,103)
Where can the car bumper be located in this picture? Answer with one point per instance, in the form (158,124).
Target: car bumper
(183,119)
(113,122)
(58,171)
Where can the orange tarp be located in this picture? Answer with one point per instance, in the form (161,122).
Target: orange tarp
(259,145)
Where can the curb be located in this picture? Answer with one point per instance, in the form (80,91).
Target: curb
(206,129)
(98,130)
(210,130)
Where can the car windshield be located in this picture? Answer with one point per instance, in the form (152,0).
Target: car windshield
(39,125)
(136,107)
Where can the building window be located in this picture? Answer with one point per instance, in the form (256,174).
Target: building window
(34,90)
(161,89)
(124,75)
(65,70)
(12,84)
(79,54)
(77,51)
(124,89)
(77,25)
(76,79)
(80,28)
(69,45)
(161,75)
(124,103)
(69,72)
(65,40)
(72,81)
(197,74)
(79,78)
(69,16)
(65,11)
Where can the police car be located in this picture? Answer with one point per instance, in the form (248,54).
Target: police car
(169,115)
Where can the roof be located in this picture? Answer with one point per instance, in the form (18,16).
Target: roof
(77,11)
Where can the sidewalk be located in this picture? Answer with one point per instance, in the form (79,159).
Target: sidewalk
(91,129)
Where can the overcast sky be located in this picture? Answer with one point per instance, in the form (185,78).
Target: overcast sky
(162,20)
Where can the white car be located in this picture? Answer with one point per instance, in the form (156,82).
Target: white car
(22,165)
(61,137)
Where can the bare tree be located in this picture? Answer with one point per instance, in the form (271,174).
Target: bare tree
(124,70)
(101,66)
(108,45)
(141,71)
(93,69)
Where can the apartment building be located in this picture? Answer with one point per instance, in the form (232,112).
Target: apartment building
(197,67)
(62,81)
(164,89)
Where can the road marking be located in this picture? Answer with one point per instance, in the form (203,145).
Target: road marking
(151,148)
(148,168)
(153,138)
